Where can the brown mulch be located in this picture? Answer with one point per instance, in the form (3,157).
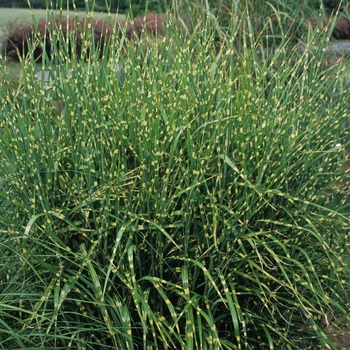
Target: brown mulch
(338,329)
(340,332)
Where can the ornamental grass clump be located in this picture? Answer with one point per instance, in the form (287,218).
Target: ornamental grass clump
(182,197)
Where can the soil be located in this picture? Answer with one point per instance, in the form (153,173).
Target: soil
(341,337)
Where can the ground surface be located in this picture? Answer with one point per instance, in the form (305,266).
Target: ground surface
(25,15)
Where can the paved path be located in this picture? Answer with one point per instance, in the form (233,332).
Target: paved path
(339,46)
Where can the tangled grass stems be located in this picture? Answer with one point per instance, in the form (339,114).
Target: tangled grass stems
(193,204)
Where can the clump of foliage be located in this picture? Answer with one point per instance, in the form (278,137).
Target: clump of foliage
(183,196)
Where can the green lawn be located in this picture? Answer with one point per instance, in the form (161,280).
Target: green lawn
(9,14)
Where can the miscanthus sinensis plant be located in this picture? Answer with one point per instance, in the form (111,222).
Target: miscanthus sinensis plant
(174,194)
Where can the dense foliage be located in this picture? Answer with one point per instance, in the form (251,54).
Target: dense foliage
(189,191)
